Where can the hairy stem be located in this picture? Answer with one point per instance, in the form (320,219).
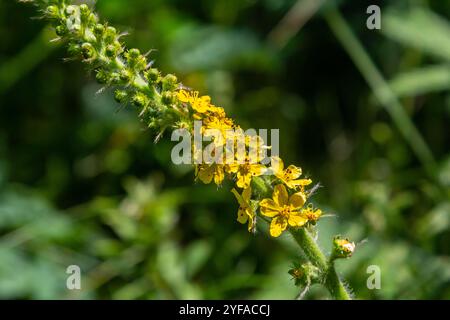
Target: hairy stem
(312,250)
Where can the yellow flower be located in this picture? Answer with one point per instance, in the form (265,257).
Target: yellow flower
(217,112)
(199,104)
(257,150)
(213,125)
(245,211)
(290,175)
(283,210)
(245,172)
(207,172)
(311,214)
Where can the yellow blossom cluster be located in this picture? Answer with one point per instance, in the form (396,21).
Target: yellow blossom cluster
(286,208)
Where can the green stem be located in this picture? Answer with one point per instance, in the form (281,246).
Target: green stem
(335,285)
(312,250)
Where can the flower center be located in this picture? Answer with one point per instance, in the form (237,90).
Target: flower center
(245,169)
(285,211)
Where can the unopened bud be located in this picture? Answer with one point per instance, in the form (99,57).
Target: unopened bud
(113,50)
(169,82)
(125,75)
(110,34)
(102,77)
(153,75)
(342,248)
(74,49)
(84,12)
(136,60)
(168,97)
(140,100)
(52,12)
(61,30)
(120,96)
(99,30)
(88,51)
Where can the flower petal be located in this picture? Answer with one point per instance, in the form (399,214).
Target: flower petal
(238,197)
(218,175)
(280,195)
(292,172)
(231,168)
(243,180)
(301,182)
(277,166)
(184,96)
(269,208)
(297,200)
(257,169)
(277,226)
(296,220)
(251,220)
(242,215)
(246,194)
(206,174)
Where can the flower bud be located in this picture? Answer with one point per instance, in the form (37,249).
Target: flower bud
(183,124)
(99,30)
(88,51)
(120,96)
(113,50)
(52,12)
(74,49)
(102,76)
(153,75)
(84,12)
(342,248)
(169,82)
(61,30)
(133,54)
(125,75)
(140,100)
(114,78)
(136,60)
(168,97)
(110,34)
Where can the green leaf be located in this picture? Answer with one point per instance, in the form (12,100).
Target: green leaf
(422,81)
(421,29)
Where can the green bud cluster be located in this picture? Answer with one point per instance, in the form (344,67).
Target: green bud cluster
(127,71)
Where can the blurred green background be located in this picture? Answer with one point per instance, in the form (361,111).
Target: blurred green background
(81,181)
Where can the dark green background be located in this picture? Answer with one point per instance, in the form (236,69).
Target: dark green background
(81,181)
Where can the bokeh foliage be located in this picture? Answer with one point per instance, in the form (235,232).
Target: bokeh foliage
(81,181)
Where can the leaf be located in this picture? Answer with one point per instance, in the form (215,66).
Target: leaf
(421,81)
(196,255)
(419,28)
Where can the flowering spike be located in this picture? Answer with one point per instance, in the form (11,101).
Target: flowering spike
(277,194)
